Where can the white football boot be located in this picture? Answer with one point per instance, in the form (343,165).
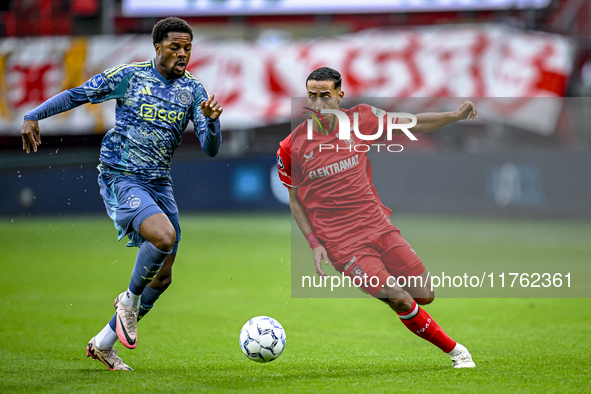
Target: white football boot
(109,356)
(461,357)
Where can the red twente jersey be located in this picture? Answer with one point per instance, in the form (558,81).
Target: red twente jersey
(336,187)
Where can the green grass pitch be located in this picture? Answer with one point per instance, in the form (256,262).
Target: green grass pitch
(60,276)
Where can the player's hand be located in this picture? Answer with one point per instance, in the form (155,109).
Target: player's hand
(30,135)
(320,255)
(211,108)
(467,111)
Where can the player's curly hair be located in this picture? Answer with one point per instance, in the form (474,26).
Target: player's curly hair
(170,25)
(326,74)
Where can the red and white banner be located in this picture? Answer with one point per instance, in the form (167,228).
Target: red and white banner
(255,81)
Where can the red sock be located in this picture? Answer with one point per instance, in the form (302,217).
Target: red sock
(420,323)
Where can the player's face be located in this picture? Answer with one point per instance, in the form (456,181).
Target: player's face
(322,94)
(173,54)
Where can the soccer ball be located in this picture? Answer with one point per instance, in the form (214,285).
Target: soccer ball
(262,339)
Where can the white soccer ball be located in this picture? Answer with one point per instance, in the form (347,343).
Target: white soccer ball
(262,339)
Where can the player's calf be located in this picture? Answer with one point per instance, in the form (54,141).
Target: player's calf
(149,298)
(164,277)
(158,286)
(420,323)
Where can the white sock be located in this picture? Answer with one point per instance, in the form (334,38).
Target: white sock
(106,338)
(455,350)
(131,300)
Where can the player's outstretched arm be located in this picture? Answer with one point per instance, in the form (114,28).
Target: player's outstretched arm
(431,121)
(61,102)
(301,218)
(30,135)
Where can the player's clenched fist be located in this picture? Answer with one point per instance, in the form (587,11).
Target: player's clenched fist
(30,135)
(211,108)
(467,111)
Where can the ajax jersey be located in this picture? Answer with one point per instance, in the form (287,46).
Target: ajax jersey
(151,114)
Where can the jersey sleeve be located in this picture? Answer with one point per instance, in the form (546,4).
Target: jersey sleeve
(207,130)
(61,102)
(110,84)
(288,172)
(196,115)
(371,117)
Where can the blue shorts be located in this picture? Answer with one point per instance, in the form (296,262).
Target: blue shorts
(130,201)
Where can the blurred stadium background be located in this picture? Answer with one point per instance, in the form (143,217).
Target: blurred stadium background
(526,62)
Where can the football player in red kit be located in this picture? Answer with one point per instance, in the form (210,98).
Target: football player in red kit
(337,208)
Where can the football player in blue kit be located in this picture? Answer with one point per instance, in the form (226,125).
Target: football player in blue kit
(155,101)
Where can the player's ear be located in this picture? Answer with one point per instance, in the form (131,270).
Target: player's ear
(158,48)
(341,96)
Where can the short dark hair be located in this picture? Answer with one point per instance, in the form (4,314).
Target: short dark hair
(326,74)
(170,25)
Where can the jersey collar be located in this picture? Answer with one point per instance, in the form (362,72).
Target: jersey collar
(160,77)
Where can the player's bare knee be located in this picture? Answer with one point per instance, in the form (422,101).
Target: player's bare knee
(401,305)
(398,299)
(390,293)
(165,239)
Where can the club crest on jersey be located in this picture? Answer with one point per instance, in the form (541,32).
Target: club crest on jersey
(279,162)
(135,202)
(357,271)
(309,156)
(96,81)
(183,97)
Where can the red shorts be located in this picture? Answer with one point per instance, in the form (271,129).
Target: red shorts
(380,256)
